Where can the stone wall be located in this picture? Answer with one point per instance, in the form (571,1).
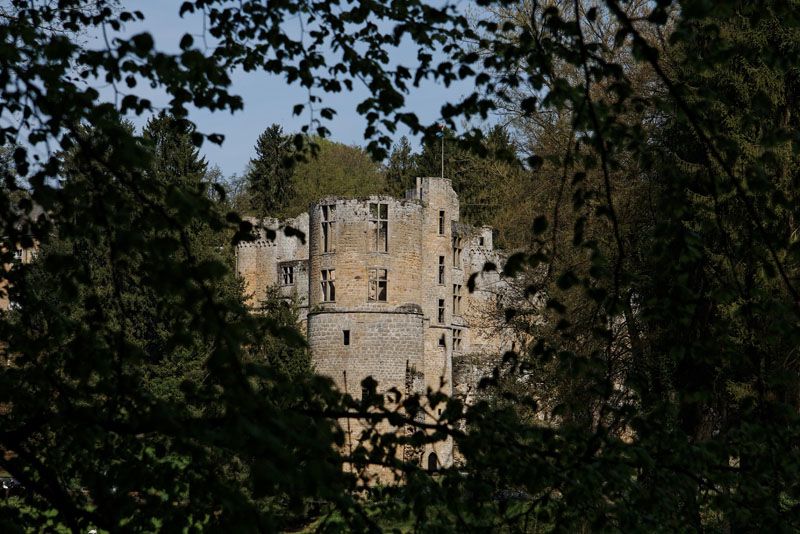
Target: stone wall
(351,253)
(382,345)
(256,261)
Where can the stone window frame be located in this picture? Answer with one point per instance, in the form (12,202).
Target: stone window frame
(328,285)
(378,227)
(457,339)
(456,299)
(440,315)
(441,270)
(441,221)
(287,275)
(378,278)
(443,341)
(328,226)
(457,248)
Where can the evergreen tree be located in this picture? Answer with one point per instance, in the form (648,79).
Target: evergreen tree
(490,181)
(269,185)
(401,169)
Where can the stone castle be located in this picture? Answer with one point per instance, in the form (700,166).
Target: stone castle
(382,285)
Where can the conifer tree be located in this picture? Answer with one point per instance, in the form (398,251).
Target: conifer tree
(269,186)
(401,169)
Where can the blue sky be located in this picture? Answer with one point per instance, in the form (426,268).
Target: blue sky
(268,99)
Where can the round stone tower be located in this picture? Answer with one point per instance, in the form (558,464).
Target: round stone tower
(365,259)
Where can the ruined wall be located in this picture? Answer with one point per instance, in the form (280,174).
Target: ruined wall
(257,261)
(382,345)
(481,311)
(440,210)
(352,253)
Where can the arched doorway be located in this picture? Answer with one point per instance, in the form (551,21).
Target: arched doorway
(433,462)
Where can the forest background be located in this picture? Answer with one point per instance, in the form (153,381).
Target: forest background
(645,174)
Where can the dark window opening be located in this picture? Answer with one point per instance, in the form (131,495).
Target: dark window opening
(379,227)
(441,270)
(328,285)
(346,335)
(378,284)
(441,311)
(287,276)
(456,252)
(328,225)
(442,342)
(456,299)
(441,222)
(480,241)
(456,339)
(433,462)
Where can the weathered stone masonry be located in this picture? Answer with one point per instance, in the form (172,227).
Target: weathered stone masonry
(382,284)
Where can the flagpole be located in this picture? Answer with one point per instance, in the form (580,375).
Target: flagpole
(442,154)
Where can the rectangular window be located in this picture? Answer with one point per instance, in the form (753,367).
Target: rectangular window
(441,270)
(379,227)
(328,227)
(457,252)
(377,284)
(456,299)
(442,341)
(456,339)
(287,275)
(480,241)
(441,222)
(346,336)
(440,317)
(328,285)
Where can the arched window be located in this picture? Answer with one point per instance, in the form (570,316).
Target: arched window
(433,462)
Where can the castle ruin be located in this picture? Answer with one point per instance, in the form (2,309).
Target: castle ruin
(382,286)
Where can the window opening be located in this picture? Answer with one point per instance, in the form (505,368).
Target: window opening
(480,241)
(442,342)
(457,251)
(328,225)
(441,270)
(456,339)
(441,311)
(328,285)
(287,275)
(456,299)
(379,226)
(441,222)
(377,284)
(346,336)
(433,462)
